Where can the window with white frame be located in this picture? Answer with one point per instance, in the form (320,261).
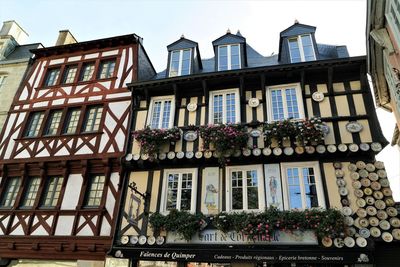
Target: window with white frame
(301,48)
(393,17)
(180,62)
(2,80)
(285,102)
(161,112)
(229,57)
(245,188)
(224,106)
(179,190)
(302,186)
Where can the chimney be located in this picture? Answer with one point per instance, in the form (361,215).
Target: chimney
(65,37)
(11,28)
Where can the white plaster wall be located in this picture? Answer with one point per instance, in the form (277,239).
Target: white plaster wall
(72,192)
(64,225)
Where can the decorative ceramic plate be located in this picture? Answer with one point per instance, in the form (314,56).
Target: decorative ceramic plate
(354,175)
(339,243)
(310,149)
(343,191)
(254,102)
(382,215)
(347,211)
(318,96)
(189,154)
(375,232)
(387,237)
(321,149)
(160,240)
(352,167)
(331,148)
(363,173)
(151,240)
(370,167)
(395,222)
(382,173)
(129,157)
(171,155)
(357,222)
(368,191)
(136,157)
(208,154)
(124,239)
(349,221)
(376,147)
(267,151)
(363,222)
(342,147)
(257,152)
(349,242)
(337,165)
(299,150)
(373,221)
(190,136)
(364,232)
(396,234)
(387,192)
(361,212)
(391,211)
(371,211)
(384,225)
(341,182)
(356,184)
(359,193)
(162,156)
(361,164)
(345,202)
(361,242)
(326,242)
(247,152)
(370,200)
(365,182)
(217,154)
(142,240)
(277,151)
(180,155)
(354,127)
(288,151)
(378,195)
(353,147)
(361,202)
(339,173)
(375,185)
(255,133)
(364,146)
(384,182)
(191,107)
(144,157)
(373,176)
(379,165)
(134,239)
(390,202)
(351,231)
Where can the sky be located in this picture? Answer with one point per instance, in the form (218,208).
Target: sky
(159,23)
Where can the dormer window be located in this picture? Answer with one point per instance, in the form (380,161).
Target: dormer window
(301,48)
(229,57)
(180,63)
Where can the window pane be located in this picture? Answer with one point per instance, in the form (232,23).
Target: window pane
(235,57)
(53,122)
(52,77)
(294,188)
(31,192)
(52,193)
(218,107)
(72,121)
(185,69)
(252,189)
(237,190)
(277,105)
(34,124)
(155,115)
(307,48)
(310,188)
(87,72)
(230,108)
(93,117)
(70,73)
(294,50)
(186,193)
(222,58)
(172,193)
(10,192)
(107,69)
(95,192)
(291,103)
(174,67)
(166,114)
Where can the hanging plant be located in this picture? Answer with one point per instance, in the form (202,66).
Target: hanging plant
(150,140)
(226,138)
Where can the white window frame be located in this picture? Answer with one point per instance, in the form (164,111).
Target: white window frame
(171,115)
(318,183)
(164,193)
(285,109)
(224,93)
(180,62)
(261,187)
(391,20)
(229,55)
(300,45)
(2,80)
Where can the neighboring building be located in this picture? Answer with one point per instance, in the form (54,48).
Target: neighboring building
(240,86)
(60,151)
(14,61)
(383,44)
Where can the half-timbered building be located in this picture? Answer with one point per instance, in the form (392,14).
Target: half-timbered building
(60,150)
(196,200)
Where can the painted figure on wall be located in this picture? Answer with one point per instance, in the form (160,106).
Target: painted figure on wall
(210,199)
(273,186)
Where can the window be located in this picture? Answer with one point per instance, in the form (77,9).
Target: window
(180,190)
(72,120)
(224,106)
(52,192)
(180,63)
(52,77)
(301,48)
(393,18)
(106,69)
(2,80)
(53,122)
(69,74)
(302,187)
(162,111)
(34,123)
(95,191)
(10,192)
(245,188)
(87,72)
(92,120)
(285,102)
(31,192)
(229,57)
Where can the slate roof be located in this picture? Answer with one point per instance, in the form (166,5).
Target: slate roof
(21,53)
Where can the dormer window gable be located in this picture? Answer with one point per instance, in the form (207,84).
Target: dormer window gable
(230,52)
(301,48)
(183,58)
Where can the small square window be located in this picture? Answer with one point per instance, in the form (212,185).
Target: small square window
(224,106)
(92,119)
(71,121)
(162,111)
(106,69)
(301,48)
(180,62)
(34,124)
(87,72)
(31,192)
(52,76)
(70,74)
(53,122)
(10,192)
(229,57)
(52,192)
(95,191)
